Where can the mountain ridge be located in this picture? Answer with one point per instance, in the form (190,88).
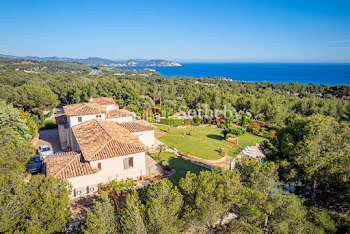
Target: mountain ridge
(96,61)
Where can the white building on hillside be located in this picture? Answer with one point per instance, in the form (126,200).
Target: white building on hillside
(106,142)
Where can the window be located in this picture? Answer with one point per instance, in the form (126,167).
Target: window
(80,119)
(98,116)
(99,166)
(128,163)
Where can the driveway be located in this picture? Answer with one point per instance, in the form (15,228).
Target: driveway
(49,137)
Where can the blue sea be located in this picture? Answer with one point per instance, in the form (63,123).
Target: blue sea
(330,74)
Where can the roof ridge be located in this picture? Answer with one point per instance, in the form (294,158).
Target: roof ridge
(103,129)
(88,105)
(128,144)
(120,142)
(67,164)
(102,147)
(80,106)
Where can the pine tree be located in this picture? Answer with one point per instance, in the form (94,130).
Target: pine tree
(90,91)
(131,220)
(101,219)
(76,95)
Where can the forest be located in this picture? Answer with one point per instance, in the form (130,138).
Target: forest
(309,152)
(271,102)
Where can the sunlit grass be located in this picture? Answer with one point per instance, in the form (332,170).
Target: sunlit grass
(180,165)
(204,142)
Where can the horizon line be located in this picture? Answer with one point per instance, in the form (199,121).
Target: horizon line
(198,60)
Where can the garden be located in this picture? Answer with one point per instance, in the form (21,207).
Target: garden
(204,142)
(180,165)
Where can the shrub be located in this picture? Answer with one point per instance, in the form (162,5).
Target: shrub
(255,131)
(237,131)
(187,121)
(49,124)
(209,120)
(125,185)
(150,120)
(166,165)
(167,121)
(265,133)
(254,125)
(197,120)
(272,134)
(270,126)
(170,121)
(179,122)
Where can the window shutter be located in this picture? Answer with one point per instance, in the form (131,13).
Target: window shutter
(125,162)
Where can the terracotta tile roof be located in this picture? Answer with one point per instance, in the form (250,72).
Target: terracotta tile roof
(67,165)
(61,119)
(103,101)
(116,148)
(100,139)
(119,113)
(83,109)
(137,126)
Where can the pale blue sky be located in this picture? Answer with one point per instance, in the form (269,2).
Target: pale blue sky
(182,30)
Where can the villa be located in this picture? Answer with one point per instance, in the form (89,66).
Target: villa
(104,143)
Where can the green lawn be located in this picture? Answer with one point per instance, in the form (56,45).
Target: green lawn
(180,165)
(204,142)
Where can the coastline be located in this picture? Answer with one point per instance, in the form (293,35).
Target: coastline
(306,73)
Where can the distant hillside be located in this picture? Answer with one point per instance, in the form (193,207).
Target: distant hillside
(65,67)
(95,61)
(36,66)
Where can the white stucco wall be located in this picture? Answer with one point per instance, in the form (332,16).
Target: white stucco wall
(146,137)
(111,169)
(110,107)
(122,119)
(73,120)
(80,183)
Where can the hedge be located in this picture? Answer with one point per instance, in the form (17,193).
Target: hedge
(187,121)
(150,120)
(49,124)
(170,121)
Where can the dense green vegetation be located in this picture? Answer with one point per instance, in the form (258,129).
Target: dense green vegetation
(35,66)
(308,147)
(271,102)
(313,154)
(32,205)
(60,67)
(246,200)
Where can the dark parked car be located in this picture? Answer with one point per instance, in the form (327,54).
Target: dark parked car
(34,164)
